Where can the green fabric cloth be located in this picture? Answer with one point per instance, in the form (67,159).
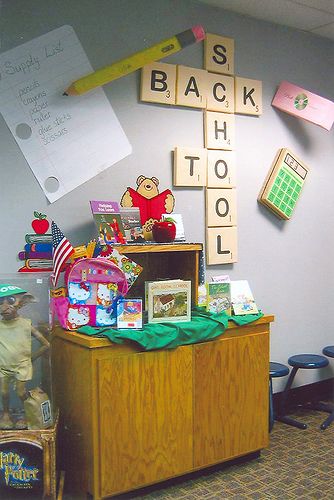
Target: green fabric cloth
(203,326)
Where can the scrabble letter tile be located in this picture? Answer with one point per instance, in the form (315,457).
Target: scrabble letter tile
(191,87)
(190,166)
(219,54)
(221,245)
(221,207)
(220,93)
(221,171)
(219,130)
(248,96)
(158,83)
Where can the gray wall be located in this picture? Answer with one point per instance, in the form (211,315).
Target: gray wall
(289,264)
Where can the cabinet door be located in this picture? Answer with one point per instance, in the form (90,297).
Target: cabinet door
(231,398)
(144,418)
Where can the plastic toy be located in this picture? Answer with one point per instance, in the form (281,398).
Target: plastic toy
(15,350)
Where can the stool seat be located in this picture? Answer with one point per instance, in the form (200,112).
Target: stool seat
(297,361)
(278,370)
(308,361)
(329,351)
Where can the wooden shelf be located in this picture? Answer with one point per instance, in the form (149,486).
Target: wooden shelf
(159,247)
(164,261)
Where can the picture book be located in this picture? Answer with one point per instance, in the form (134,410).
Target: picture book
(177,218)
(242,298)
(129,313)
(169,300)
(156,281)
(130,268)
(108,221)
(201,301)
(218,298)
(133,230)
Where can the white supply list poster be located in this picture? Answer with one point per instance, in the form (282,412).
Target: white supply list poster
(66,140)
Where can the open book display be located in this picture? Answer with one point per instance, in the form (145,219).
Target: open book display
(242,298)
(169,300)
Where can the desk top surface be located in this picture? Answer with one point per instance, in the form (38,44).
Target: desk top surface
(99,342)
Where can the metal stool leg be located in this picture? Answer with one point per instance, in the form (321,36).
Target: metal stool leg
(271,405)
(282,412)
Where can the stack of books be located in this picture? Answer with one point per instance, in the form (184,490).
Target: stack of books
(37,253)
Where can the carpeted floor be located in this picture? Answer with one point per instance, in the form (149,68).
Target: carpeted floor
(299,464)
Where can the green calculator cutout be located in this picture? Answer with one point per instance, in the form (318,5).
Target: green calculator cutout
(283,184)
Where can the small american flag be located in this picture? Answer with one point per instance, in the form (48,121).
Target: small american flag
(62,249)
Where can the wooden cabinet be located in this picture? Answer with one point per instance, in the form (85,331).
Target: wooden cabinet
(164,261)
(231,395)
(130,418)
(144,418)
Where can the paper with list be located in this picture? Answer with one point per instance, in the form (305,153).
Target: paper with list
(65,140)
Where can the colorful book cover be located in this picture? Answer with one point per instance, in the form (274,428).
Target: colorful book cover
(34,255)
(38,238)
(242,298)
(129,313)
(130,268)
(169,301)
(201,301)
(39,263)
(130,217)
(218,298)
(38,247)
(108,221)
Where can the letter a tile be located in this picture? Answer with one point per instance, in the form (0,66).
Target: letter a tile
(191,87)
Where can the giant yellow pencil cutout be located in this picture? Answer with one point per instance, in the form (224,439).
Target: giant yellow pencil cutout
(136,61)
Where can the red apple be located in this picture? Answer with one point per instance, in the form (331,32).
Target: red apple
(40,224)
(164,231)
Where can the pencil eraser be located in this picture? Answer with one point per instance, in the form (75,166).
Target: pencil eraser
(199,32)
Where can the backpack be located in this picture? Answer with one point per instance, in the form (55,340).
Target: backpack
(93,287)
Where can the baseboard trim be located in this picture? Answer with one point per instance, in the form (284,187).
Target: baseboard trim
(318,391)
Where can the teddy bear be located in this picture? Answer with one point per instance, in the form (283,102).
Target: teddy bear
(151,203)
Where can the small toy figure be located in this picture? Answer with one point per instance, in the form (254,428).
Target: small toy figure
(15,350)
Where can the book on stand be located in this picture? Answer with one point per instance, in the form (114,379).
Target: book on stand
(242,298)
(106,215)
(168,301)
(218,297)
(129,313)
(133,230)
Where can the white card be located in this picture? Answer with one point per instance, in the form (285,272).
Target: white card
(66,140)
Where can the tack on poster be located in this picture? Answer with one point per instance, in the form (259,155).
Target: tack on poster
(65,140)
